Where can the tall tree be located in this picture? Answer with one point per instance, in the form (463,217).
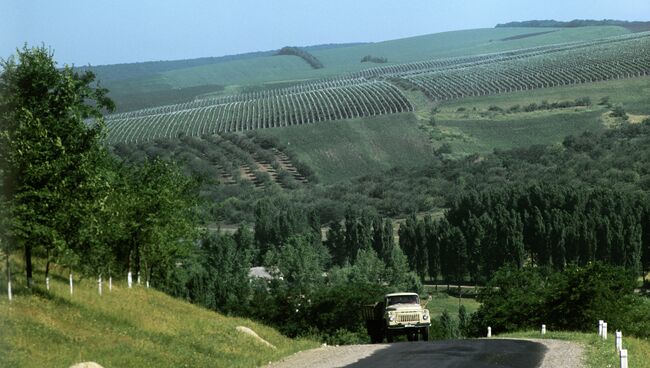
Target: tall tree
(49,155)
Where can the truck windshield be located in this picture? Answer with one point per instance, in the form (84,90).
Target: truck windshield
(403,299)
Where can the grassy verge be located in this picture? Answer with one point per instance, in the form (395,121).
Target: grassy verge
(599,353)
(136,327)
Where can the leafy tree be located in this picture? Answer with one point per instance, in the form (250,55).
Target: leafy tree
(463,322)
(157,223)
(336,243)
(449,326)
(50,156)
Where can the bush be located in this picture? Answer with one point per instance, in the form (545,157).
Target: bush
(574,299)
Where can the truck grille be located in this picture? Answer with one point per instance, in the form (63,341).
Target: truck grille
(408,317)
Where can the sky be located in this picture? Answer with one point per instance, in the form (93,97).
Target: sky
(96,32)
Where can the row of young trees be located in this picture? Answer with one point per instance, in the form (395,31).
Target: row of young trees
(64,198)
(542,225)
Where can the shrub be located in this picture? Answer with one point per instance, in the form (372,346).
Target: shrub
(574,299)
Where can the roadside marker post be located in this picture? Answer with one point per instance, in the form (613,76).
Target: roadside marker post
(543,329)
(489,332)
(110,283)
(47,283)
(619,340)
(71,283)
(604,330)
(600,327)
(9,290)
(99,285)
(129,279)
(624,358)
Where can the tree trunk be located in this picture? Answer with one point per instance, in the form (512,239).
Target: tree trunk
(28,264)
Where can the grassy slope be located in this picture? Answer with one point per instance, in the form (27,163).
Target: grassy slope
(600,353)
(478,130)
(126,328)
(347,59)
(457,43)
(344,149)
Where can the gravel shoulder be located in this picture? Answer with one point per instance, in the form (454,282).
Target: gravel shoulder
(562,354)
(538,353)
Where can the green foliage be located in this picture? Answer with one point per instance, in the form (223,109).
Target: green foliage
(448,326)
(50,158)
(573,299)
(309,58)
(619,112)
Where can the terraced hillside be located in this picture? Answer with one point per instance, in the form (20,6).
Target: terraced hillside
(227,159)
(375,91)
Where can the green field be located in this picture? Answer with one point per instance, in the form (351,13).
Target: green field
(634,94)
(468,126)
(136,327)
(441,302)
(344,149)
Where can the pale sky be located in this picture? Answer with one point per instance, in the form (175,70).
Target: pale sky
(119,31)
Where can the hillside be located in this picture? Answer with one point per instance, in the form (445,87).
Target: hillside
(124,327)
(263,70)
(381,90)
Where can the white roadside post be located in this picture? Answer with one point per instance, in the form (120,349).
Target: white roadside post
(99,285)
(138,278)
(604,330)
(110,283)
(623,358)
(489,332)
(600,327)
(47,283)
(71,283)
(147,284)
(619,340)
(9,289)
(129,279)
(543,329)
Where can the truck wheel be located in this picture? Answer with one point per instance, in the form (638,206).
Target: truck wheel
(416,335)
(425,334)
(389,337)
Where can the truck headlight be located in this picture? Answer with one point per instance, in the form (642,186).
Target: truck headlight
(425,317)
(391,318)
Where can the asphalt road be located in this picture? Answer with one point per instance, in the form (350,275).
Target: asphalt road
(457,353)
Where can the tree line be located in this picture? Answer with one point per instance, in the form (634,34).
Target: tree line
(542,225)
(306,56)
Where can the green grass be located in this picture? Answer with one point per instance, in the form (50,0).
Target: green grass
(599,353)
(632,93)
(344,149)
(474,129)
(136,327)
(441,301)
(482,136)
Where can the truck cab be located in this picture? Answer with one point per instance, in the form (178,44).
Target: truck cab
(397,314)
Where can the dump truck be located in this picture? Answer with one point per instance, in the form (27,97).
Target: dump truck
(397,314)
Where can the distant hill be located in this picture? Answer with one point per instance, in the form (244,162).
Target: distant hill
(152,87)
(632,26)
(116,72)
